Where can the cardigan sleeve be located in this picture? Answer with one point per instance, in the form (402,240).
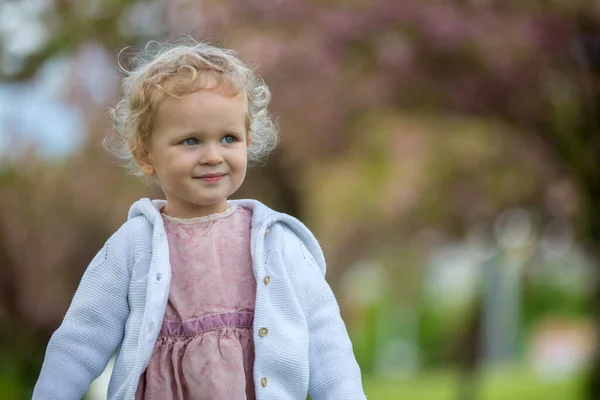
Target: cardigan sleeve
(91,330)
(334,372)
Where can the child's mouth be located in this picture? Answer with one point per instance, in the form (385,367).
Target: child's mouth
(211,178)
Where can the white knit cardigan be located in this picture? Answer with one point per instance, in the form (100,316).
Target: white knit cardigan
(121,300)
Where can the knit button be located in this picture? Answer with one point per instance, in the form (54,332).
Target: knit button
(266,232)
(150,328)
(267,279)
(263,382)
(263,332)
(158,276)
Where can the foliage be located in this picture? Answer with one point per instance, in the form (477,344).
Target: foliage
(426,118)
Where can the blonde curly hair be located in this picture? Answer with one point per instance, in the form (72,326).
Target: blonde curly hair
(152,77)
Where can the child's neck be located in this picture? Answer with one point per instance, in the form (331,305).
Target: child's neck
(194,210)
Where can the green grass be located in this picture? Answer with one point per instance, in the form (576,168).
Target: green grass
(501,385)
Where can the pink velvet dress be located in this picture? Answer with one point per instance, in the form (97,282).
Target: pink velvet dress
(205,349)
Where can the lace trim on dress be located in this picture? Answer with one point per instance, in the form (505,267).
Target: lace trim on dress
(206,218)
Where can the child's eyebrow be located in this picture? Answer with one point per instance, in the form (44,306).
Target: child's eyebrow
(232,132)
(195,134)
(185,135)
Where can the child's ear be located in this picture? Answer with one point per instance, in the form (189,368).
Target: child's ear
(248,139)
(143,160)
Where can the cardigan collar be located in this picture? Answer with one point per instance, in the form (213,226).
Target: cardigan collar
(262,217)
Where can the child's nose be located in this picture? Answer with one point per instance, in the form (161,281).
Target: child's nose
(211,155)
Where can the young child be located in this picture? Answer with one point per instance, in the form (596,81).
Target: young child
(201,297)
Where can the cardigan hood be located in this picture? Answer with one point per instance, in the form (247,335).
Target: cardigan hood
(262,218)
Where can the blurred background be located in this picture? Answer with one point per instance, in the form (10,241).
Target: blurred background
(446,153)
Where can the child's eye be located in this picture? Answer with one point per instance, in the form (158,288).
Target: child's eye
(228,139)
(189,142)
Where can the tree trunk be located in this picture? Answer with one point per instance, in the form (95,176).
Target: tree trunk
(593,232)
(588,179)
(468,355)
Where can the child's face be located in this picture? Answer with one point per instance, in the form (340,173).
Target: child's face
(198,150)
